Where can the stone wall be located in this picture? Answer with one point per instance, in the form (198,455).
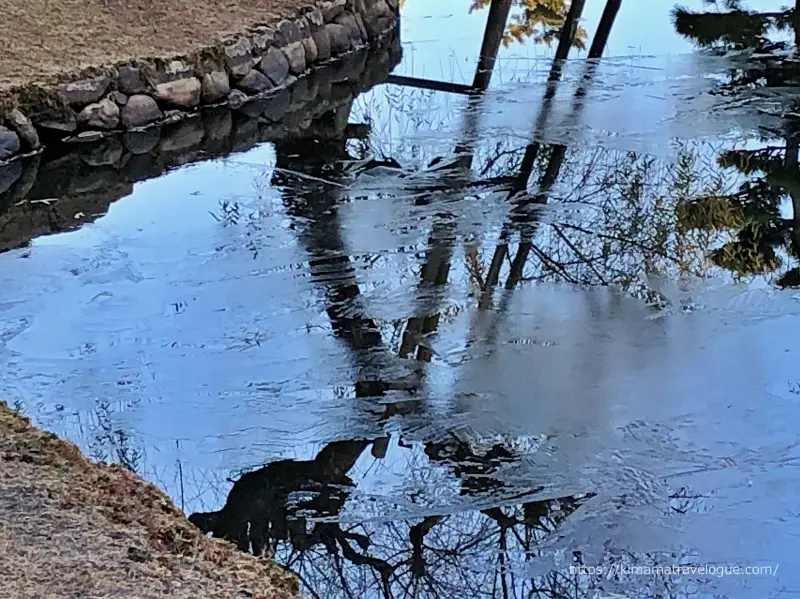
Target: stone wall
(68,185)
(262,65)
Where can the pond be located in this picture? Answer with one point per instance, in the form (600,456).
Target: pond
(532,342)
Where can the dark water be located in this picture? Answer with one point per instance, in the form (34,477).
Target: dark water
(516,344)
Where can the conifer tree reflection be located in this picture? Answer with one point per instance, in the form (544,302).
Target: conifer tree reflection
(770,171)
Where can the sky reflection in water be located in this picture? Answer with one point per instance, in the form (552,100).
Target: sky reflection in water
(322,328)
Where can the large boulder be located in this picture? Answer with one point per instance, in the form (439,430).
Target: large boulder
(275,66)
(332,9)
(322,40)
(348,21)
(215,86)
(310,48)
(183,93)
(296,56)
(22,126)
(339,37)
(85,91)
(140,110)
(378,18)
(255,82)
(131,80)
(9,143)
(102,115)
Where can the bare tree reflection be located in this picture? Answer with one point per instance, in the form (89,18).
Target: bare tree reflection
(486,539)
(522,215)
(258,512)
(314,206)
(286,507)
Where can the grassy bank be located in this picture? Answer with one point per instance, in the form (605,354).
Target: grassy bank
(48,37)
(70,527)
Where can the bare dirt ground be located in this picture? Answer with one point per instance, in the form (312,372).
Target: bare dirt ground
(42,38)
(73,528)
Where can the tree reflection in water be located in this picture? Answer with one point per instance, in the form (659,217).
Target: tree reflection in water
(289,507)
(620,218)
(765,240)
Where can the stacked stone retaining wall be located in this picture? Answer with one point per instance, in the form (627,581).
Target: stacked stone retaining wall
(263,63)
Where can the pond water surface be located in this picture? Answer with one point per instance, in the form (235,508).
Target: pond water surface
(512,344)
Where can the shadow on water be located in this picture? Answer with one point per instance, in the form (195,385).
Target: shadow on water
(477,344)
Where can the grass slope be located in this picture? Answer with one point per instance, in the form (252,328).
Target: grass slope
(43,38)
(70,527)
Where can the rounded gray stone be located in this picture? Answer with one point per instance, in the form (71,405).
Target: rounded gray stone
(322,40)
(85,91)
(9,143)
(183,93)
(275,66)
(332,9)
(378,18)
(339,37)
(215,86)
(22,126)
(140,110)
(102,115)
(310,47)
(131,80)
(255,82)
(296,56)
(348,21)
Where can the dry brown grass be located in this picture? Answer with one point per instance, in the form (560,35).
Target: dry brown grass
(43,38)
(74,528)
